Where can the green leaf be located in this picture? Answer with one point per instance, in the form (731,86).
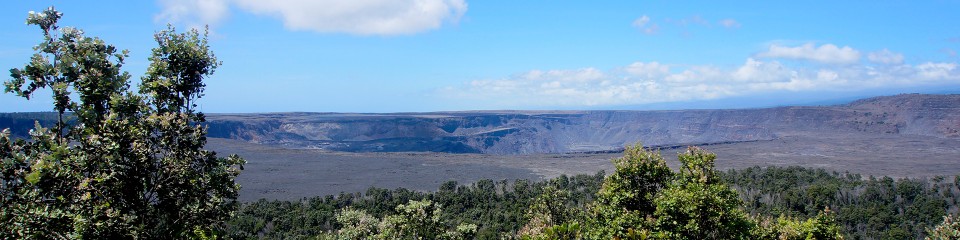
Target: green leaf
(33,177)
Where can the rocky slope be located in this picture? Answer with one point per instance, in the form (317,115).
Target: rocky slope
(521,132)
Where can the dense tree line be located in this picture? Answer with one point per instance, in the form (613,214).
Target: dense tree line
(642,199)
(495,207)
(868,208)
(764,202)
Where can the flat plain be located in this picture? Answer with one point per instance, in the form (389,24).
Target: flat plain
(275,172)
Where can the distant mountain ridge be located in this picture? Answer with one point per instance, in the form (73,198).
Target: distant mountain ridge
(526,132)
(523,132)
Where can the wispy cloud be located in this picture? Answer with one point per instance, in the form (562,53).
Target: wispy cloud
(729,23)
(650,26)
(192,13)
(652,82)
(827,53)
(693,20)
(949,51)
(366,17)
(641,21)
(644,25)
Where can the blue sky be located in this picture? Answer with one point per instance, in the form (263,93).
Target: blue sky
(438,55)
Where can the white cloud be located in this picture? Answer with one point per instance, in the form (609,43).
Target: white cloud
(192,13)
(885,57)
(827,76)
(647,70)
(696,75)
(577,75)
(643,24)
(651,82)
(827,53)
(938,71)
(641,21)
(757,71)
(362,17)
(729,23)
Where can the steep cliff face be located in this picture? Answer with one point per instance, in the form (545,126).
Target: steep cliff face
(918,114)
(519,132)
(496,133)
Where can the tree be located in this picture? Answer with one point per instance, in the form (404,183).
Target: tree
(645,199)
(823,226)
(697,205)
(356,224)
(133,164)
(626,199)
(415,220)
(549,212)
(421,220)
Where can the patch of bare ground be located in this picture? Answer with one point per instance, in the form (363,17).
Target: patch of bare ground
(894,155)
(281,173)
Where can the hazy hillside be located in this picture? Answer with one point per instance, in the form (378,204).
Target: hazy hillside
(513,132)
(521,132)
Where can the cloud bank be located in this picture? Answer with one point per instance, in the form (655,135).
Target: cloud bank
(361,17)
(654,82)
(827,53)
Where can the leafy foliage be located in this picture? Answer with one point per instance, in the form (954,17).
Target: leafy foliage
(823,226)
(948,229)
(697,205)
(416,220)
(497,208)
(866,208)
(627,198)
(551,215)
(132,165)
(644,199)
